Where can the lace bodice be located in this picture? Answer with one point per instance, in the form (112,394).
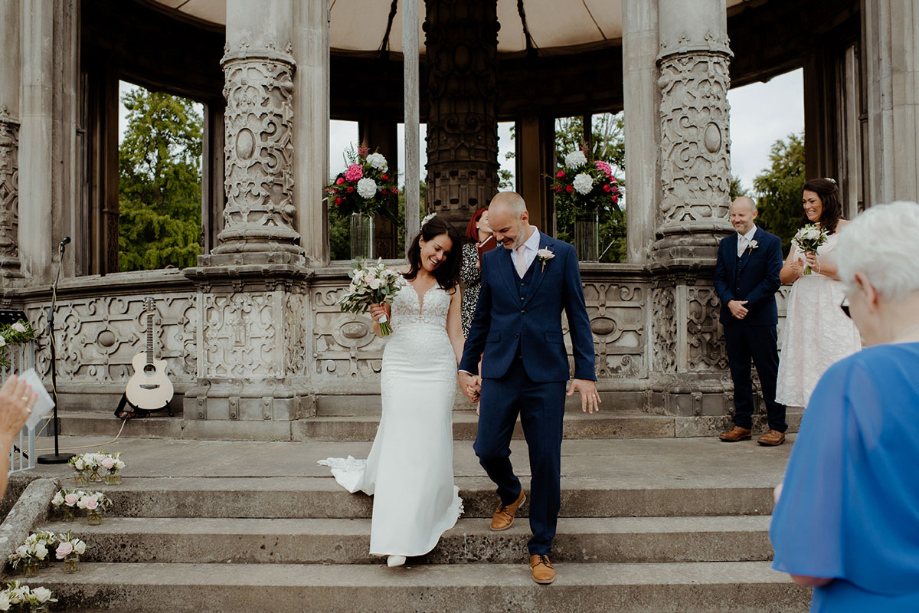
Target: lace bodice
(408,308)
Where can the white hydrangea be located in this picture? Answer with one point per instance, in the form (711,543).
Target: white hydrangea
(583,183)
(366,188)
(575,159)
(378,161)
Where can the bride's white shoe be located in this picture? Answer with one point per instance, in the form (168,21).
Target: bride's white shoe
(395,561)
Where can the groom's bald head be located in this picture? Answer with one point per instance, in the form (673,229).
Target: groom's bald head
(509,219)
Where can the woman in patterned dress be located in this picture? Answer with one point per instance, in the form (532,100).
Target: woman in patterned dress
(477,232)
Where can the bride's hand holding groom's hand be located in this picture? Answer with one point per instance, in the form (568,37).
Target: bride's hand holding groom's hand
(590,399)
(470,385)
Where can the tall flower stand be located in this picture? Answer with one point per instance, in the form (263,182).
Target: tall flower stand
(586,236)
(361,236)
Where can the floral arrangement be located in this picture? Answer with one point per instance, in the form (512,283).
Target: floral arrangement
(370,284)
(808,239)
(588,185)
(94,503)
(365,186)
(16,333)
(69,549)
(19,597)
(65,503)
(87,467)
(34,552)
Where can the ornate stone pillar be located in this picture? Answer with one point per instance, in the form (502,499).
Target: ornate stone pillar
(9,139)
(252,306)
(891,59)
(260,215)
(462,46)
(642,99)
(695,137)
(689,366)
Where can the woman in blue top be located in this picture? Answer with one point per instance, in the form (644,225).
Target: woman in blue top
(847,517)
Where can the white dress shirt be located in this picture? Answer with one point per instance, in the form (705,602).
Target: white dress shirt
(743,240)
(530,247)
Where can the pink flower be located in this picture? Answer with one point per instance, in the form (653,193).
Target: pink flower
(63,550)
(606,187)
(615,199)
(560,175)
(71,499)
(107,463)
(383,191)
(605,168)
(350,189)
(385,177)
(354,173)
(569,189)
(340,181)
(395,191)
(92,502)
(363,151)
(337,201)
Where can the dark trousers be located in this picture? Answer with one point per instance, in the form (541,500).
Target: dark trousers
(541,407)
(759,344)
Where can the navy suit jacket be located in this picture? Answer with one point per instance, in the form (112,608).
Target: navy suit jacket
(754,277)
(502,322)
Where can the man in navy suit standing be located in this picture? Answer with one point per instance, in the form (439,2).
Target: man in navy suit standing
(746,279)
(518,326)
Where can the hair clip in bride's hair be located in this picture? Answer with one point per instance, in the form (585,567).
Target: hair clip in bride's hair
(428,218)
(830,179)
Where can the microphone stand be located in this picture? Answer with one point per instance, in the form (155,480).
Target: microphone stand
(57,458)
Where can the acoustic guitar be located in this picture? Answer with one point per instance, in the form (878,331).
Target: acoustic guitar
(149,388)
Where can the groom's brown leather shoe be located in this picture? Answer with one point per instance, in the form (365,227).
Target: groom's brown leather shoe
(737,434)
(504,514)
(773,438)
(543,573)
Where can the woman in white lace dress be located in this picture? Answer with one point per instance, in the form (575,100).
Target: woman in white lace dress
(817,333)
(409,470)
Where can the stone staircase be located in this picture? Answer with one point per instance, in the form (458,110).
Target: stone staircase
(299,543)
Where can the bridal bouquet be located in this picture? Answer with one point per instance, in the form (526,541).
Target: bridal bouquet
(365,186)
(808,239)
(370,284)
(588,185)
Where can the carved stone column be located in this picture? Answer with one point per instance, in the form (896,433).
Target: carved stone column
(9,195)
(695,136)
(462,47)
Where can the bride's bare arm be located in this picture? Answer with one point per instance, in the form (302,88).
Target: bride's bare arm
(455,323)
(792,268)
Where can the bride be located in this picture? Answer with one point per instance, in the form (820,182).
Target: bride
(410,468)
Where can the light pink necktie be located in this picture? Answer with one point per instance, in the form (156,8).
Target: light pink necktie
(521,261)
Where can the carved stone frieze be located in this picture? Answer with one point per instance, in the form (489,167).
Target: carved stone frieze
(9,195)
(617,320)
(664,322)
(344,346)
(706,349)
(260,212)
(240,335)
(97,337)
(695,139)
(462,47)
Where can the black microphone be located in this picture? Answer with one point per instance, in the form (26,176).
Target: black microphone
(65,241)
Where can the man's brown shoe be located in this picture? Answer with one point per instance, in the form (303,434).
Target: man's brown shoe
(504,514)
(737,434)
(773,438)
(543,573)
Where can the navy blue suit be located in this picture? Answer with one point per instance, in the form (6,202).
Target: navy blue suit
(753,277)
(518,326)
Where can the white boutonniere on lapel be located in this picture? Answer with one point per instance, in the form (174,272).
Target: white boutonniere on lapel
(753,245)
(543,256)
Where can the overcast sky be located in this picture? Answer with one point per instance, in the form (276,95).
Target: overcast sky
(760,114)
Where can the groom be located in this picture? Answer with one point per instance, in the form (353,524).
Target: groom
(746,279)
(518,327)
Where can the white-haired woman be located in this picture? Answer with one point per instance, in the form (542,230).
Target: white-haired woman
(847,519)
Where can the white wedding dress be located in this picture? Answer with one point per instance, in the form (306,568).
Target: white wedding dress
(409,471)
(817,333)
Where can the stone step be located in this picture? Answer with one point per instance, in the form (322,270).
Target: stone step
(331,588)
(323,498)
(347,541)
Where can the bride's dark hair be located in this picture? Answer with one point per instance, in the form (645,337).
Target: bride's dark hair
(447,274)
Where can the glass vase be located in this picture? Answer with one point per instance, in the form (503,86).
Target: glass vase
(30,568)
(94,517)
(586,236)
(113,479)
(79,479)
(66,513)
(72,564)
(94,476)
(361,236)
(38,608)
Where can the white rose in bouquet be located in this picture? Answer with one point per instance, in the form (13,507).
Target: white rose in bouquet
(366,188)
(575,159)
(378,161)
(583,183)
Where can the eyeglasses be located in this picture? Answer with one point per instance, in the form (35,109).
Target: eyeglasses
(845,307)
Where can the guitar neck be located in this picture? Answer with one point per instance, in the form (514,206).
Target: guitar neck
(150,335)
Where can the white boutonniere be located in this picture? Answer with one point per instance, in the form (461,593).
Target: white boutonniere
(543,256)
(753,245)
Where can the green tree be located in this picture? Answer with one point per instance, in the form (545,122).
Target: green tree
(737,189)
(608,144)
(778,189)
(159,189)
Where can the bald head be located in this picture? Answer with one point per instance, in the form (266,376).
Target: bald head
(507,201)
(743,212)
(508,218)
